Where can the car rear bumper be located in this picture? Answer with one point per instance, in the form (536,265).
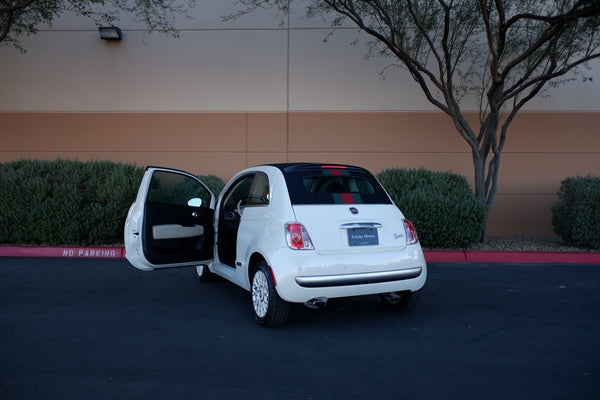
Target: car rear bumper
(304,275)
(358,279)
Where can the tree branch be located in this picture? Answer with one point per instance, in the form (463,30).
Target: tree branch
(557,23)
(6,28)
(414,67)
(515,90)
(9,8)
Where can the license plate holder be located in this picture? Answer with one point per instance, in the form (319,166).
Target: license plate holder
(363,237)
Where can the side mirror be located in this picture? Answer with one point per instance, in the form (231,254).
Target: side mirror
(195,202)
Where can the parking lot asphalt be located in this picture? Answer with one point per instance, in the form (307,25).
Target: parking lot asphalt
(73,328)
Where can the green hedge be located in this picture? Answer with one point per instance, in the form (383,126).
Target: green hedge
(66,202)
(441,206)
(576,214)
(214,183)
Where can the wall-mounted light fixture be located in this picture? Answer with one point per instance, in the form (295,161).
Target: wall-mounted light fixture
(110,33)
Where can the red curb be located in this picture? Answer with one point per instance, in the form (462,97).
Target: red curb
(66,252)
(533,257)
(445,256)
(512,257)
(430,256)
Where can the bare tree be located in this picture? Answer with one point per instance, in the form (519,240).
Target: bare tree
(504,52)
(23,17)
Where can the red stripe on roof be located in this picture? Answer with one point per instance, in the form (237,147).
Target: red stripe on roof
(347,198)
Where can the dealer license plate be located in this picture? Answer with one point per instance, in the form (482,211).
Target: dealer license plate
(363,237)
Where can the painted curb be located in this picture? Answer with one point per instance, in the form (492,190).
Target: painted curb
(512,257)
(61,251)
(430,256)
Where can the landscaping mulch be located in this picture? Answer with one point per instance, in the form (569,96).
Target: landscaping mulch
(523,243)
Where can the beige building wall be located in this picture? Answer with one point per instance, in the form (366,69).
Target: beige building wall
(226,95)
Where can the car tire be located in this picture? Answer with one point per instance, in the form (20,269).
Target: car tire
(406,301)
(203,273)
(269,308)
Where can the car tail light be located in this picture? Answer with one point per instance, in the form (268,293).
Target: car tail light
(411,233)
(297,237)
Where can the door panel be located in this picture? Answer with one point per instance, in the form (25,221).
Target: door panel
(160,249)
(171,222)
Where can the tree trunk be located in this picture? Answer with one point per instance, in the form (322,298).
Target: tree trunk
(480,194)
(486,175)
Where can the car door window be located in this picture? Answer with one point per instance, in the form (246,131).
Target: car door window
(177,230)
(239,193)
(259,192)
(176,189)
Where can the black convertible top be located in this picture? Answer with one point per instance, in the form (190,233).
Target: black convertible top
(317,183)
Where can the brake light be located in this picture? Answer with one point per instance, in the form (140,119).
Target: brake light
(411,233)
(297,237)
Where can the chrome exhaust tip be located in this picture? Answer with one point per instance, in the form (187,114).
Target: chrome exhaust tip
(316,303)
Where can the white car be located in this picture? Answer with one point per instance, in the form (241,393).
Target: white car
(288,233)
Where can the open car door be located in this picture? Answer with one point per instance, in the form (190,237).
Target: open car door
(171,222)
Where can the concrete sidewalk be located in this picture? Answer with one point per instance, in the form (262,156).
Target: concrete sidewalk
(430,256)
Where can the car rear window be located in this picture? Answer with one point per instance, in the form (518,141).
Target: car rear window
(333,184)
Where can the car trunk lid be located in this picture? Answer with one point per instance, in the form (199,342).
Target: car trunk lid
(359,228)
